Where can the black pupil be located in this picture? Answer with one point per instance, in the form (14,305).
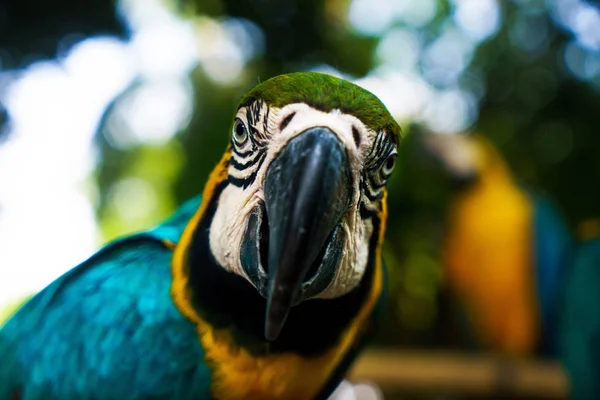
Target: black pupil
(390,163)
(239,130)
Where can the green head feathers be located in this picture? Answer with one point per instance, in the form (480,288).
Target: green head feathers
(325,92)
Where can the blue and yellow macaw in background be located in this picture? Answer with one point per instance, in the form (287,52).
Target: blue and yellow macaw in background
(505,248)
(528,285)
(266,288)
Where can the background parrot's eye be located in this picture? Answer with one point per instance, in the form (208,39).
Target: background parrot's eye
(240,132)
(388,166)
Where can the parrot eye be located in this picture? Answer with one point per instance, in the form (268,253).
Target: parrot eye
(240,132)
(388,166)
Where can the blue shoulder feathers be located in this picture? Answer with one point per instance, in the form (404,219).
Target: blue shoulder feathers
(579,323)
(553,247)
(106,327)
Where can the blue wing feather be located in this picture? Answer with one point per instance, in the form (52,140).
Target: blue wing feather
(553,246)
(579,323)
(107,329)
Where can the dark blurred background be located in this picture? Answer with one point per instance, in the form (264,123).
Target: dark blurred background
(113,113)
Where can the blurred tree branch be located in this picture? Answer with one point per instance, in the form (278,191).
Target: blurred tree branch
(454,373)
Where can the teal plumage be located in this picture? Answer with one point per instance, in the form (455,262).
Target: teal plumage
(579,322)
(553,247)
(127,329)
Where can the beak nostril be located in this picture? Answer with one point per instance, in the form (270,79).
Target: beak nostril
(286,121)
(356,136)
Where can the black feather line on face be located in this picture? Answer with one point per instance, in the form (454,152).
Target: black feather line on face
(258,140)
(377,156)
(381,150)
(376,186)
(253,114)
(266,123)
(246,182)
(254,133)
(250,115)
(372,156)
(243,183)
(236,181)
(371,195)
(241,154)
(258,137)
(243,166)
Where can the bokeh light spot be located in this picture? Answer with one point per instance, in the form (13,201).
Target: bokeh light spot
(133,199)
(405,95)
(226,46)
(479,19)
(446,58)
(152,113)
(415,13)
(399,49)
(371,17)
(451,111)
(530,32)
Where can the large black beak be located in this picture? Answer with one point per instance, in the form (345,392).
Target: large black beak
(307,191)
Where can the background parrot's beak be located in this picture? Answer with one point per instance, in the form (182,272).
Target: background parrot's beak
(307,191)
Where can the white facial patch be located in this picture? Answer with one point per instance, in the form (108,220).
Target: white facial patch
(249,163)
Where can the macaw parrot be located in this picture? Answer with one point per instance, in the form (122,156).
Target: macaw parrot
(266,287)
(579,321)
(505,250)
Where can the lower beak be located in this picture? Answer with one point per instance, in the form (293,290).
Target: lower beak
(307,191)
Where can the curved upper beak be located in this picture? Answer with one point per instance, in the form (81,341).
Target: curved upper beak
(307,191)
